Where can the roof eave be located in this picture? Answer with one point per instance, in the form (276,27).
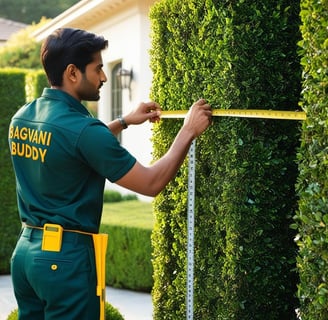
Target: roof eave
(75,15)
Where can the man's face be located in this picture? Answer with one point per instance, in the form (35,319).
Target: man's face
(92,80)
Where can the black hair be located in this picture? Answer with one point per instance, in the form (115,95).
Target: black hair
(69,46)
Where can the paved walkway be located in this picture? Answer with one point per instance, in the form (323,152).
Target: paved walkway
(132,305)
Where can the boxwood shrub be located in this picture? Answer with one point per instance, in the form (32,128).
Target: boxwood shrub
(12,93)
(36,81)
(242,55)
(312,218)
(128,260)
(16,87)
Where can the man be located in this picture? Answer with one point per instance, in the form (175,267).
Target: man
(61,157)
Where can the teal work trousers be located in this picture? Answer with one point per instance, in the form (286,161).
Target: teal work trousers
(55,285)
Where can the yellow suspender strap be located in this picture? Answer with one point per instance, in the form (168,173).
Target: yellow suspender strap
(100,243)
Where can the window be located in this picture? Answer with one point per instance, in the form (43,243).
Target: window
(116,96)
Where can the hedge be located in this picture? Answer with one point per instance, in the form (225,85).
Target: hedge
(12,93)
(236,54)
(312,218)
(36,81)
(16,87)
(115,196)
(128,259)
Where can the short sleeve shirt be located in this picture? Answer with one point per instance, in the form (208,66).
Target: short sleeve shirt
(62,157)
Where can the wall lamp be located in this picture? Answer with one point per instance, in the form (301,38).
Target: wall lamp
(124,78)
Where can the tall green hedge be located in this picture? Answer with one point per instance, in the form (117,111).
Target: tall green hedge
(312,218)
(236,54)
(16,86)
(12,93)
(36,81)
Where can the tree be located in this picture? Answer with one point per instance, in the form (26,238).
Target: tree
(22,50)
(29,11)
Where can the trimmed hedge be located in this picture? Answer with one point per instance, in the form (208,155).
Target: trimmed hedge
(36,81)
(115,196)
(128,259)
(243,55)
(12,93)
(129,225)
(16,87)
(312,217)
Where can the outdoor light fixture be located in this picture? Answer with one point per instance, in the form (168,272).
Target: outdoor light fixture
(124,78)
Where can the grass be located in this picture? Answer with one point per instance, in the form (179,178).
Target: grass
(133,213)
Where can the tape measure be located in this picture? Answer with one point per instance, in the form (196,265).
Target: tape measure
(243,113)
(190,231)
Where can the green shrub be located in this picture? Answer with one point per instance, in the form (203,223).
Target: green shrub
(128,260)
(13,315)
(22,50)
(115,196)
(12,93)
(129,197)
(240,55)
(129,225)
(112,196)
(111,313)
(36,81)
(312,218)
(15,86)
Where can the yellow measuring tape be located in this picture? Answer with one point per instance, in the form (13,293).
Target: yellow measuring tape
(243,113)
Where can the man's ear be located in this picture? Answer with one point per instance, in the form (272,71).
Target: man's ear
(72,72)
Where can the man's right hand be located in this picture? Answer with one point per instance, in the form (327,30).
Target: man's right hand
(198,118)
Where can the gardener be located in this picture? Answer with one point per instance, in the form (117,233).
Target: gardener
(61,157)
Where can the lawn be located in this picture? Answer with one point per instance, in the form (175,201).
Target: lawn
(132,213)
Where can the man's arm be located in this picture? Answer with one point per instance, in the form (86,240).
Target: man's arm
(152,179)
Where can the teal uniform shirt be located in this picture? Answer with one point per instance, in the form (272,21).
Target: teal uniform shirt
(62,156)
